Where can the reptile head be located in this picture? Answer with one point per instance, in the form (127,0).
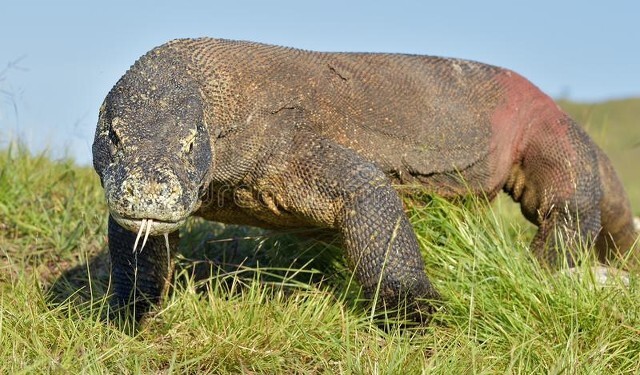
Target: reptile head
(152,149)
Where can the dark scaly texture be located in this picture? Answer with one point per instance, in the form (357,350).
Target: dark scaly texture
(139,277)
(261,135)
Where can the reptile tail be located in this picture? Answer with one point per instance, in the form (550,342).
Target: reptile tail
(618,232)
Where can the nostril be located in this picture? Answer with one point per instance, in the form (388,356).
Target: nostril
(165,191)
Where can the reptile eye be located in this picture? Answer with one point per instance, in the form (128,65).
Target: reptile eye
(187,147)
(115,132)
(113,137)
(189,142)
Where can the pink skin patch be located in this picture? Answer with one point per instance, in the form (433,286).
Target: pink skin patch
(528,125)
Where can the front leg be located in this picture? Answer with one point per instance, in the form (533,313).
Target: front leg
(139,278)
(382,246)
(315,182)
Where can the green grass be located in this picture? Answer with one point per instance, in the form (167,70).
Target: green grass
(248,301)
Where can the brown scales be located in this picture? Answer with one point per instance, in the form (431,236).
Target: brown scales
(276,137)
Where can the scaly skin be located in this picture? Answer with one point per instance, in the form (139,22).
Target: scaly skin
(253,134)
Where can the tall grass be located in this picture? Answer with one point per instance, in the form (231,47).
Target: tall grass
(249,301)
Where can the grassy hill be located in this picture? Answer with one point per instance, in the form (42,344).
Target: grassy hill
(615,126)
(247,301)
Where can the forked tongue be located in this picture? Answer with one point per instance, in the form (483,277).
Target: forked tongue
(146,227)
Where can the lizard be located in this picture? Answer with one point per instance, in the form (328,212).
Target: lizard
(276,137)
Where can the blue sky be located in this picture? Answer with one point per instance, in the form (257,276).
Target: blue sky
(58,59)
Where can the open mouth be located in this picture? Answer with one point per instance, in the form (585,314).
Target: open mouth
(152,227)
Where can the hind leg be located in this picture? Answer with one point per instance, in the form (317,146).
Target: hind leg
(557,184)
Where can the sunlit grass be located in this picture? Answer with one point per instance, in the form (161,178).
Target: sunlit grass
(249,301)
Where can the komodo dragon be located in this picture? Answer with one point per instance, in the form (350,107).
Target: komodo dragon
(274,137)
